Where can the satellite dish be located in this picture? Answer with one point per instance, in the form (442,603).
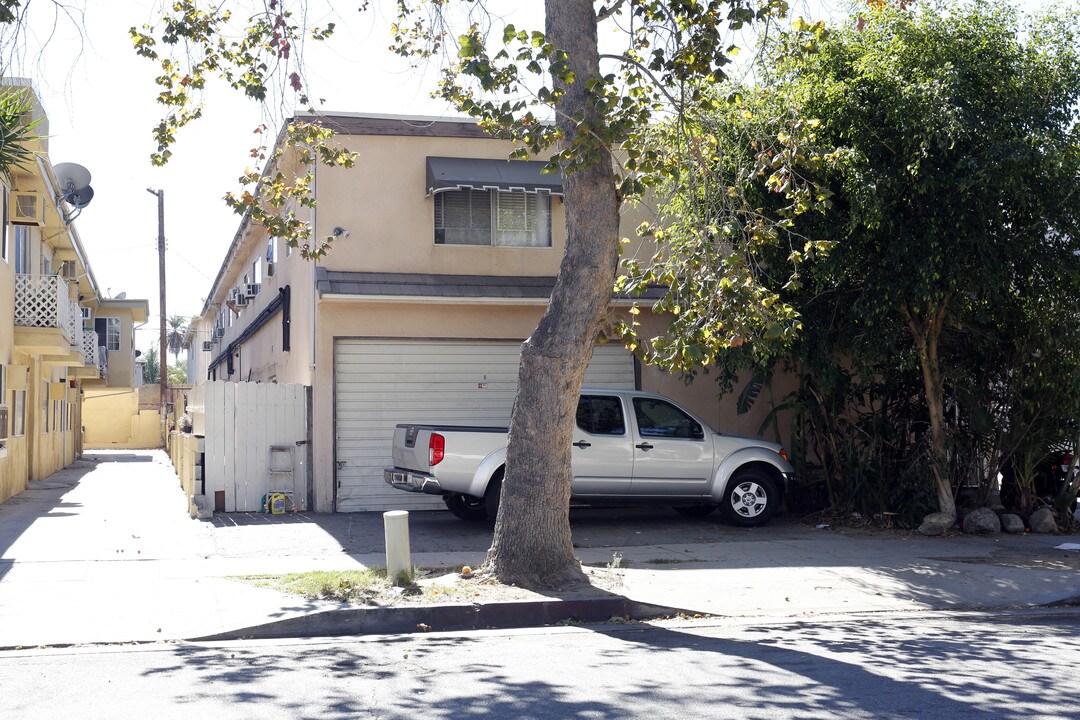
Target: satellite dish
(74,184)
(80,198)
(120,296)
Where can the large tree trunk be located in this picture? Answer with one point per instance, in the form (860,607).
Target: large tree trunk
(927,333)
(532,545)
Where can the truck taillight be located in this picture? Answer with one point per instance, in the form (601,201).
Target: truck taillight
(783,454)
(436,449)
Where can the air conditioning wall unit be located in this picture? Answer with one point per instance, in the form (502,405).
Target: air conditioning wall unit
(26,208)
(241,300)
(207,346)
(219,332)
(69,269)
(251,289)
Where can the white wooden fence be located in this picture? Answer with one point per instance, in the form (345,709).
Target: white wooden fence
(240,423)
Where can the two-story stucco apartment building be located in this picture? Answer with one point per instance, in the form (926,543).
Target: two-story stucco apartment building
(59,335)
(443,262)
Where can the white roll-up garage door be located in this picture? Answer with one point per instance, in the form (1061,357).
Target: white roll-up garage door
(380,383)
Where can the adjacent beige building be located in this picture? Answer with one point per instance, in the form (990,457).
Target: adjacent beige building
(59,337)
(443,258)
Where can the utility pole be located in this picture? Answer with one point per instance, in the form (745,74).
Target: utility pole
(163,377)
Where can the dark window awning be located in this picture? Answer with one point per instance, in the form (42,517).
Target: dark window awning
(453,173)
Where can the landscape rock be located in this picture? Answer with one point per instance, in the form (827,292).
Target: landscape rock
(982,521)
(937,524)
(1012,524)
(1042,521)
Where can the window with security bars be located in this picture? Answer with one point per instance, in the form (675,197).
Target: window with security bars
(491,217)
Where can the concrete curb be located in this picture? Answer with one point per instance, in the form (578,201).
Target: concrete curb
(448,618)
(1068,599)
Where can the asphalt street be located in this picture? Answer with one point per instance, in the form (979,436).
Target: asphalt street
(931,666)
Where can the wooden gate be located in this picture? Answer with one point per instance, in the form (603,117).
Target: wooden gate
(241,423)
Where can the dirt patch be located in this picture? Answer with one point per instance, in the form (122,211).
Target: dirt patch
(430,586)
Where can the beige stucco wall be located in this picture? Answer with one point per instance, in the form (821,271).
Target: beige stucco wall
(122,361)
(390,176)
(112,419)
(264,351)
(13,470)
(52,450)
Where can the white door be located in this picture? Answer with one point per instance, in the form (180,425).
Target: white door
(380,383)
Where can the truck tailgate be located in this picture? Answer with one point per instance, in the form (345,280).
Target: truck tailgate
(411,447)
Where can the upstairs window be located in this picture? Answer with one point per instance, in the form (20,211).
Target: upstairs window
(491,217)
(22,249)
(108,331)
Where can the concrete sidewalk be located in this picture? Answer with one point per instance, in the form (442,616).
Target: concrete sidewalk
(104,552)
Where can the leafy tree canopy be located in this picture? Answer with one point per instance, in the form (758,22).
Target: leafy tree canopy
(951,179)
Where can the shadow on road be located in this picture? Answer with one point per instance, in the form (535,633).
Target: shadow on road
(854,670)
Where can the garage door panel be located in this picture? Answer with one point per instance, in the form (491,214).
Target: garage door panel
(380,383)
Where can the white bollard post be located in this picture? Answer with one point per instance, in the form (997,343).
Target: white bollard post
(398,554)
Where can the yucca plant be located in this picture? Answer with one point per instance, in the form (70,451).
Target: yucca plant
(16,130)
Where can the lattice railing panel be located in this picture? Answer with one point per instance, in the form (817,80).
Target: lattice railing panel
(73,324)
(38,300)
(42,301)
(89,348)
(102,360)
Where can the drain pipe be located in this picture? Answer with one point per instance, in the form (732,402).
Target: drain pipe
(312,263)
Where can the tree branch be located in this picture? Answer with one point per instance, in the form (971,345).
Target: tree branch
(605,12)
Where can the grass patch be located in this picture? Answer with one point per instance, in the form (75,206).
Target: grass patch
(372,587)
(356,586)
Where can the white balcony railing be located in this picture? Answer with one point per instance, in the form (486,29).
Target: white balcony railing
(89,348)
(42,301)
(93,354)
(102,360)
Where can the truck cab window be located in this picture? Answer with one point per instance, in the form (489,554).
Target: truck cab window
(600,415)
(656,418)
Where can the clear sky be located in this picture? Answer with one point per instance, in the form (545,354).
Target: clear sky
(100,99)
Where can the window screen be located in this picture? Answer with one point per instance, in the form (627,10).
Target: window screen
(489,217)
(463,217)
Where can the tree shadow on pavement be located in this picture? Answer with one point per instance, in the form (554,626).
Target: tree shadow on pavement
(854,669)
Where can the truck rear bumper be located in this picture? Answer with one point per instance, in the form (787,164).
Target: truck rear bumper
(411,481)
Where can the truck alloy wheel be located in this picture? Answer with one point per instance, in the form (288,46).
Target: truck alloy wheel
(751,498)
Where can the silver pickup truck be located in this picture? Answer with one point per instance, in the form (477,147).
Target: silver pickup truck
(629,448)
